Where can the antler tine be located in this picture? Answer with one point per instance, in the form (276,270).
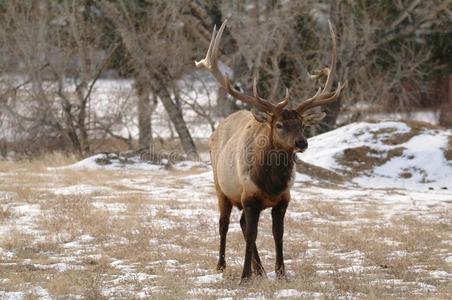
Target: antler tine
(205,61)
(210,62)
(211,44)
(305,103)
(330,97)
(319,73)
(255,87)
(318,92)
(255,93)
(319,100)
(279,106)
(216,44)
(286,96)
(323,96)
(329,80)
(284,101)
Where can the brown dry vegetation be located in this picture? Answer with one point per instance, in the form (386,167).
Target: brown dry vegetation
(318,172)
(4,213)
(363,158)
(389,136)
(127,240)
(416,128)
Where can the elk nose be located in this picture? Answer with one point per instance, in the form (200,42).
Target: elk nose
(301,144)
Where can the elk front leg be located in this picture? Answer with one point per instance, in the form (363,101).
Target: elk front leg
(252,211)
(278,213)
(257,265)
(225,213)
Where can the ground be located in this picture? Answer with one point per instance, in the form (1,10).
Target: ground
(132,233)
(82,230)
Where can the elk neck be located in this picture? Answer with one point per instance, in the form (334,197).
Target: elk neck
(273,169)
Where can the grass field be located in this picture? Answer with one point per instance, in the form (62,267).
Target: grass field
(131,233)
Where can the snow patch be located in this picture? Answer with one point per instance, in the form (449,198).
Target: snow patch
(12,295)
(287,293)
(60,267)
(293,293)
(78,189)
(205,279)
(420,163)
(299,177)
(110,162)
(133,277)
(441,274)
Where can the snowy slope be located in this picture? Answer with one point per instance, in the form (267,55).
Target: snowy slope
(375,155)
(386,155)
(112,161)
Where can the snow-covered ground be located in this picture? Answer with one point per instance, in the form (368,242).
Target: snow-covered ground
(382,155)
(386,155)
(138,230)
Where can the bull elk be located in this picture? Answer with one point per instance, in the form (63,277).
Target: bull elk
(253,156)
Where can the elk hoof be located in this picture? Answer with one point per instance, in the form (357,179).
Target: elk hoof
(282,277)
(245,280)
(221,267)
(260,271)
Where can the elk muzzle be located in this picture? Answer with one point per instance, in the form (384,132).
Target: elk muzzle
(301,145)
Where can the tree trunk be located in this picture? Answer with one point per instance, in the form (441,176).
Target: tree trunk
(3,148)
(143,91)
(69,129)
(177,119)
(225,105)
(445,117)
(83,136)
(77,33)
(333,109)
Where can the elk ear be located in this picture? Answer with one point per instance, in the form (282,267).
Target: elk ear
(260,116)
(310,119)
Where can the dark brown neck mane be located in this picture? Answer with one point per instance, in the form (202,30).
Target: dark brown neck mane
(273,170)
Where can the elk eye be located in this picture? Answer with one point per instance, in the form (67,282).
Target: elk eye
(279,125)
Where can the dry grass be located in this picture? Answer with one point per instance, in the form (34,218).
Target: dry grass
(360,159)
(319,172)
(74,216)
(5,213)
(416,127)
(38,164)
(129,241)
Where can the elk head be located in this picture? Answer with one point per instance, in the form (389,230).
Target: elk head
(286,124)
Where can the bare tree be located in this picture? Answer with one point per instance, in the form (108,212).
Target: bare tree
(53,55)
(145,109)
(386,65)
(57,48)
(154,38)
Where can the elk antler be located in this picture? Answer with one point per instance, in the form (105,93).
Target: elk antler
(324,96)
(210,62)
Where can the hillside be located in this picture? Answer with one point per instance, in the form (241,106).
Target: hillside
(411,155)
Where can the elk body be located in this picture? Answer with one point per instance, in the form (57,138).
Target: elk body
(253,156)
